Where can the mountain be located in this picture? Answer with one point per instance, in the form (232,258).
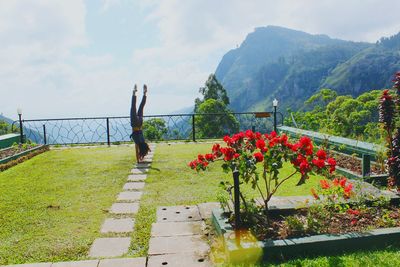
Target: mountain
(290,65)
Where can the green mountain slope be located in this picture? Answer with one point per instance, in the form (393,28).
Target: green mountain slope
(289,65)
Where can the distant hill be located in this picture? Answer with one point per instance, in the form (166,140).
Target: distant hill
(275,62)
(3,118)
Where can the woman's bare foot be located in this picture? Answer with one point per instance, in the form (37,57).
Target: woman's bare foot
(144,89)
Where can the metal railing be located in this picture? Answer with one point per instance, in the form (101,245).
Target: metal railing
(109,130)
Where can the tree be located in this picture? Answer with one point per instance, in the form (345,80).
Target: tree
(5,128)
(212,90)
(154,129)
(342,115)
(215,100)
(215,126)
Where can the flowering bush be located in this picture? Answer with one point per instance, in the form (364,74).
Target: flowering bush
(334,190)
(245,151)
(389,111)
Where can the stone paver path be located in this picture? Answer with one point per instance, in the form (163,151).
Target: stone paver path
(111,225)
(133,262)
(110,247)
(177,237)
(134,186)
(137,177)
(90,263)
(129,196)
(126,206)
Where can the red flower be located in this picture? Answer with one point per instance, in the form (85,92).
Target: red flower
(332,164)
(314,193)
(192,164)
(273,134)
(320,163)
(260,144)
(305,141)
(342,182)
(228,152)
(354,222)
(209,157)
(336,182)
(200,157)
(304,167)
(321,154)
(353,212)
(347,190)
(324,184)
(259,157)
(236,155)
(258,135)
(228,140)
(250,134)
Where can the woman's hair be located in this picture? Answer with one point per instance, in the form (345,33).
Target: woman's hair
(143,149)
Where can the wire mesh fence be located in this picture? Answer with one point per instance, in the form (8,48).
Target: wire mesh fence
(155,127)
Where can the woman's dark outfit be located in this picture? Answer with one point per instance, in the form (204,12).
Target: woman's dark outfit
(137,120)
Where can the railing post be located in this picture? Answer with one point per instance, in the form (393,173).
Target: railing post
(44,134)
(193,128)
(21,130)
(236,203)
(275,128)
(366,165)
(108,131)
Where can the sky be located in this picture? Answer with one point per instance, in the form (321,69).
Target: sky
(81,58)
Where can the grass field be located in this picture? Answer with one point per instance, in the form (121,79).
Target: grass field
(52,206)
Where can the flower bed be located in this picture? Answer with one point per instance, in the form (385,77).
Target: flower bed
(353,164)
(15,155)
(15,149)
(257,159)
(243,247)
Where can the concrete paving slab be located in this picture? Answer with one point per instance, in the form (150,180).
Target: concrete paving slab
(139,171)
(110,247)
(43,264)
(126,262)
(178,244)
(206,209)
(178,214)
(137,177)
(90,263)
(124,225)
(124,208)
(177,228)
(180,259)
(143,165)
(129,196)
(134,186)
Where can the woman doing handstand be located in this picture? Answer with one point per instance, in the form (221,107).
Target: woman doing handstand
(141,147)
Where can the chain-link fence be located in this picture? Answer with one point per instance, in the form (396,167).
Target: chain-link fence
(155,127)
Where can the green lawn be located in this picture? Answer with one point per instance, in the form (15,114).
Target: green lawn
(52,206)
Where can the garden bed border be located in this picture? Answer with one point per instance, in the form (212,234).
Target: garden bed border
(9,161)
(324,244)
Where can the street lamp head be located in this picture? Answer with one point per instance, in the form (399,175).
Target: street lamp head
(275,102)
(19,111)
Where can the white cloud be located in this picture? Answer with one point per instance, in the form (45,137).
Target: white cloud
(42,69)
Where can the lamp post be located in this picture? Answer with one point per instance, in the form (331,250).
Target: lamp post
(21,131)
(275,104)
